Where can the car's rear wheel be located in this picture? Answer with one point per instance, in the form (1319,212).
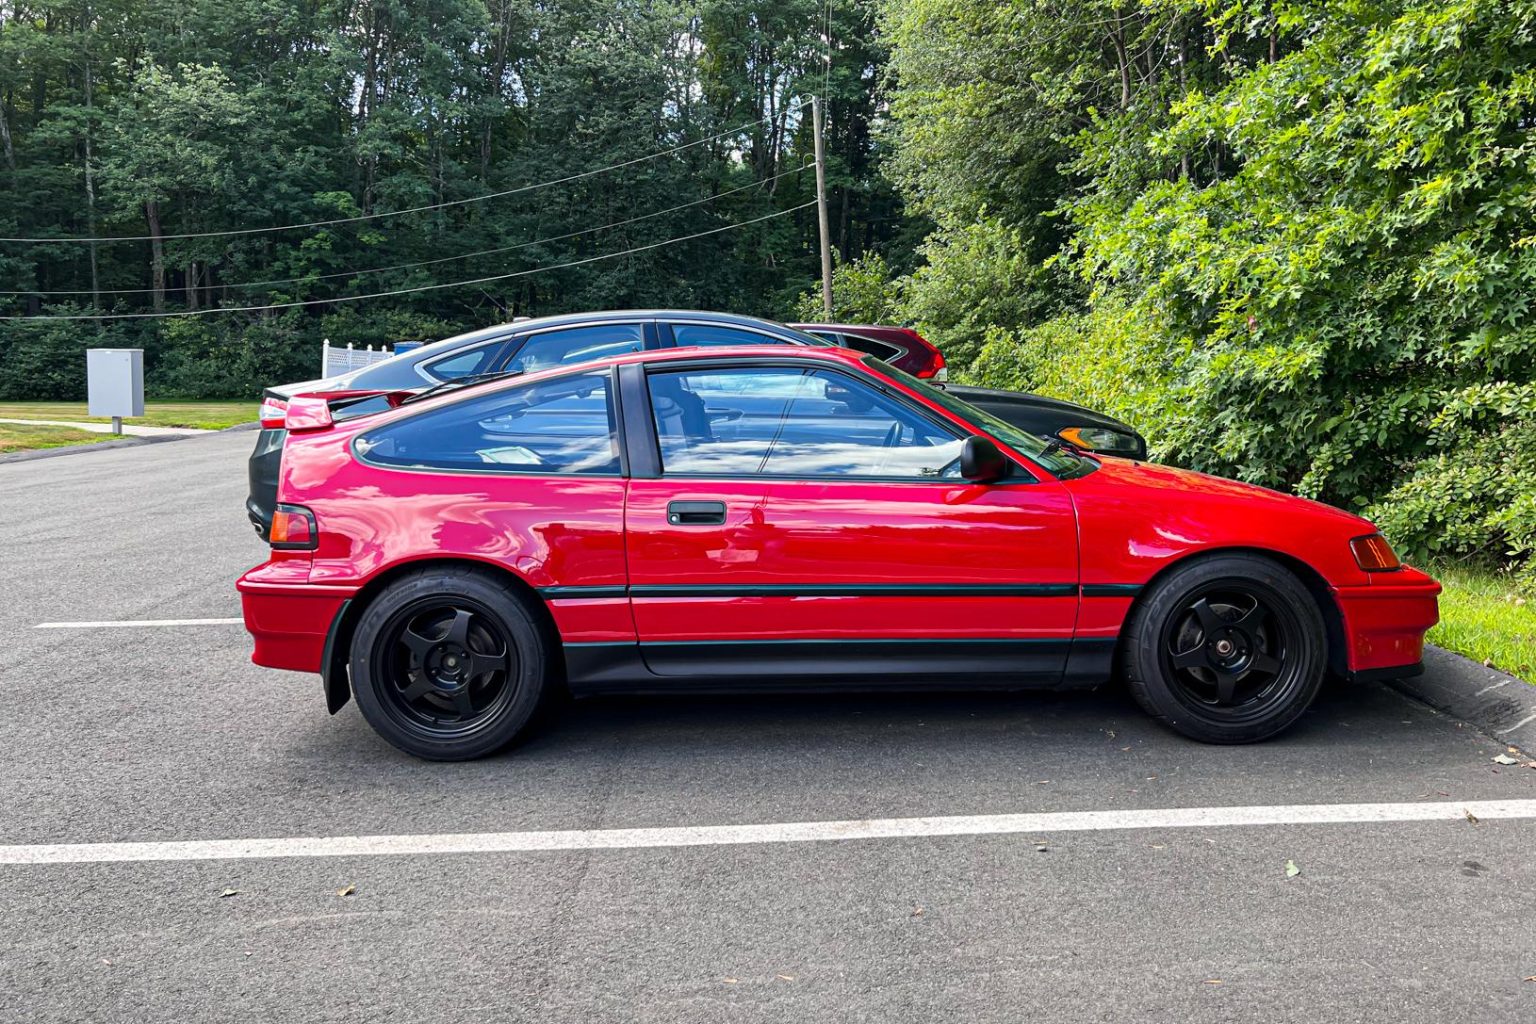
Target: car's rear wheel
(448,665)
(1227,649)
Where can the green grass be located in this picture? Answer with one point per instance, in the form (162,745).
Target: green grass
(15,437)
(194,415)
(1484,618)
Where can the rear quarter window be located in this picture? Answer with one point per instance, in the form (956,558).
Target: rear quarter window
(559,427)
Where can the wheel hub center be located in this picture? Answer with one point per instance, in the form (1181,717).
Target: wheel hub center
(447,666)
(1230,648)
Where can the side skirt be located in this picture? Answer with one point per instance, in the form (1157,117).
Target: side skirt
(723,666)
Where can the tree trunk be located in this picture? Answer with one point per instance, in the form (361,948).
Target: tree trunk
(192,284)
(5,140)
(156,254)
(1183,91)
(90,193)
(1123,60)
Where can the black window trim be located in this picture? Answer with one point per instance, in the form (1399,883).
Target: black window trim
(492,470)
(898,351)
(422,367)
(668,337)
(646,448)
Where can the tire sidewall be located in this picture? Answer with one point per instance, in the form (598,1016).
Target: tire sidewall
(369,685)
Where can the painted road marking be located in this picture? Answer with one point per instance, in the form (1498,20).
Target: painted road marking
(792,832)
(139,622)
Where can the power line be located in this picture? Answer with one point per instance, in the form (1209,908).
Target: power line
(420,288)
(440,259)
(415,209)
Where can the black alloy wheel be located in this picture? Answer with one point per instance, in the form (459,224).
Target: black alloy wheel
(1228,649)
(448,664)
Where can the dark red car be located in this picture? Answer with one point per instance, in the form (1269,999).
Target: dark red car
(792,518)
(902,347)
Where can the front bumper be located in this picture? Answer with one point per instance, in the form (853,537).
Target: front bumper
(288,618)
(1385,623)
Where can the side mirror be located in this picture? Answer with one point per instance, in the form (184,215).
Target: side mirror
(980,461)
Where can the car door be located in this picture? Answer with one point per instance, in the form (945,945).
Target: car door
(804,520)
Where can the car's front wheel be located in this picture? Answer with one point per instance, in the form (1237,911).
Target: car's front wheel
(448,665)
(1227,649)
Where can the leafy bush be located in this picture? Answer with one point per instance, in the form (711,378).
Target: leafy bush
(45,361)
(864,291)
(1100,359)
(1476,496)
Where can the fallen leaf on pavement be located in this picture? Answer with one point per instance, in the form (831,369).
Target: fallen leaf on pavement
(347,890)
(730,981)
(785,977)
(1213,981)
(1531,978)
(1040,848)
(1291,870)
(1504,759)
(1471,817)
(227,893)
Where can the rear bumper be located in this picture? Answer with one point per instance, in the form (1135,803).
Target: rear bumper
(288,621)
(1385,623)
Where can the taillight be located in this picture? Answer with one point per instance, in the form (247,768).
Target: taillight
(293,529)
(935,368)
(274,412)
(1374,554)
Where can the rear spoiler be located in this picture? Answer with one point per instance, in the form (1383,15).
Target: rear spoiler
(313,412)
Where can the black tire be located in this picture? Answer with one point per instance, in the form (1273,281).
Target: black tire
(1226,649)
(426,669)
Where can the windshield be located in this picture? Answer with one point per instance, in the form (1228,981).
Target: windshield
(1061,462)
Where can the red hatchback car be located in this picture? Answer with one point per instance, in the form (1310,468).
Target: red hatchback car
(690,520)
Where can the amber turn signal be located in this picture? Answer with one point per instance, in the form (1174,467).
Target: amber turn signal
(1374,554)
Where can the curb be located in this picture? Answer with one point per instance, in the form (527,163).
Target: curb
(79,449)
(1498,704)
(107,446)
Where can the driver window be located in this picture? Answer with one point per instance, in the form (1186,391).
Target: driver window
(789,421)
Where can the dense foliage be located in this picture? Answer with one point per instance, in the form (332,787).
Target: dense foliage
(120,118)
(1295,242)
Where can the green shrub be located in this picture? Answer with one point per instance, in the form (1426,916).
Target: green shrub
(864,291)
(1107,359)
(1475,497)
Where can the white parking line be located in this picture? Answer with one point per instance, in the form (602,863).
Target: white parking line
(792,832)
(139,622)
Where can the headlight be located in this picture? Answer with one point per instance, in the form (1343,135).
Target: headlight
(1101,439)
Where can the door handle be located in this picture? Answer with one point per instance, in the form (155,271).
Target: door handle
(696,513)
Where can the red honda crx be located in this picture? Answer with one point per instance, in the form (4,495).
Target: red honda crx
(708,519)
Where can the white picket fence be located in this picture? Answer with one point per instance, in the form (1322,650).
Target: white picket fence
(336,360)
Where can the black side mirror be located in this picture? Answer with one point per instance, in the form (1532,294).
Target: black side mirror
(980,461)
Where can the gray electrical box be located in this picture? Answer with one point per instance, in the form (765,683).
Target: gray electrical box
(114,381)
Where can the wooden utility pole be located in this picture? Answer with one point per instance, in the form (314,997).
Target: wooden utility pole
(821,211)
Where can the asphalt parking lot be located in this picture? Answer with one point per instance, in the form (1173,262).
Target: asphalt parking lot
(169,734)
